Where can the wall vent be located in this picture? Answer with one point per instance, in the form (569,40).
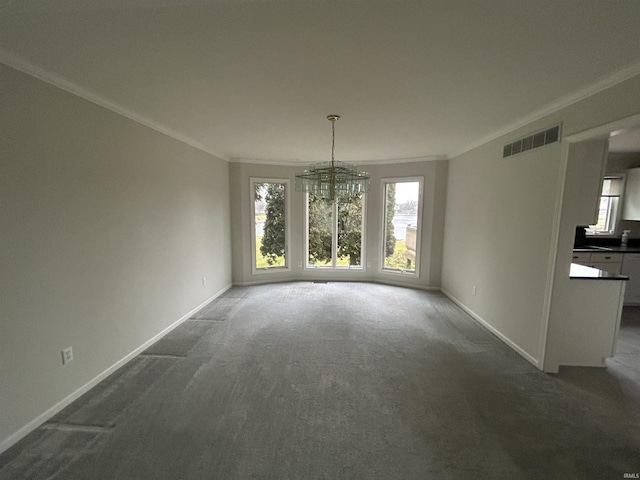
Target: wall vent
(535,140)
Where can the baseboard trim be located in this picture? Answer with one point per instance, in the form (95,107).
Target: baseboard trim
(391,283)
(43,417)
(264,282)
(334,280)
(514,346)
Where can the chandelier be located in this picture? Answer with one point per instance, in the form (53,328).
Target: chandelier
(333,180)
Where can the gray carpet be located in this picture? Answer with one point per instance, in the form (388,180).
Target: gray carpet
(180,341)
(336,381)
(219,309)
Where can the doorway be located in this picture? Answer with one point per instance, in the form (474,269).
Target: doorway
(584,161)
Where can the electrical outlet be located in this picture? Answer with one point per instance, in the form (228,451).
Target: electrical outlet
(299,263)
(204,281)
(474,291)
(67,355)
(368,264)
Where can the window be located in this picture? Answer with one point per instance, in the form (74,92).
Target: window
(610,206)
(334,232)
(401,226)
(270,241)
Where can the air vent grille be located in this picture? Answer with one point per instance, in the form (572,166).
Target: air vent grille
(535,140)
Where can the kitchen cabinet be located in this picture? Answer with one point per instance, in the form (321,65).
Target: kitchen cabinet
(581,258)
(631,268)
(587,334)
(610,262)
(607,261)
(631,209)
(585,331)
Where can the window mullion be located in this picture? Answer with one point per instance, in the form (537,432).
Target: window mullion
(334,235)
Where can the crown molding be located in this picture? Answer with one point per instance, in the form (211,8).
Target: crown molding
(26,67)
(300,163)
(424,158)
(557,105)
(606,130)
(268,161)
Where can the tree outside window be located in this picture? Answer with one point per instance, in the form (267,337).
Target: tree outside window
(335,232)
(270,232)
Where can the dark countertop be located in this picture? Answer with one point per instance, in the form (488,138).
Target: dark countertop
(611,248)
(588,273)
(621,249)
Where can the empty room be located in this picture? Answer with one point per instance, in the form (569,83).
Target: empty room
(282,239)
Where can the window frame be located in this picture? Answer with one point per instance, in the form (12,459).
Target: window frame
(616,216)
(383,225)
(287,225)
(334,240)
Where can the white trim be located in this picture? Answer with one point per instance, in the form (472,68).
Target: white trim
(557,105)
(553,253)
(334,235)
(337,280)
(262,271)
(305,237)
(270,281)
(383,225)
(58,81)
(252,229)
(296,162)
(385,281)
(590,134)
(292,280)
(493,330)
(388,161)
(337,268)
(605,130)
(363,234)
(46,415)
(398,271)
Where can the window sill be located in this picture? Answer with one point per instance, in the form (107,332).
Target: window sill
(601,235)
(329,267)
(398,271)
(260,271)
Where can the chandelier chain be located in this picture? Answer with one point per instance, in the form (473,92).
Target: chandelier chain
(333,139)
(333,180)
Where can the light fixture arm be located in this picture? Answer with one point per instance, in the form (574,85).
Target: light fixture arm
(333,180)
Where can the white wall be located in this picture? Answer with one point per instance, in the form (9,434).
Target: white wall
(434,174)
(499,222)
(106,230)
(584,171)
(498,228)
(618,162)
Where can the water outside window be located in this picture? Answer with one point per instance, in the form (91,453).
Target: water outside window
(401,225)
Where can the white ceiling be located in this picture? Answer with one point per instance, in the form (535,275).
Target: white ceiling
(255,79)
